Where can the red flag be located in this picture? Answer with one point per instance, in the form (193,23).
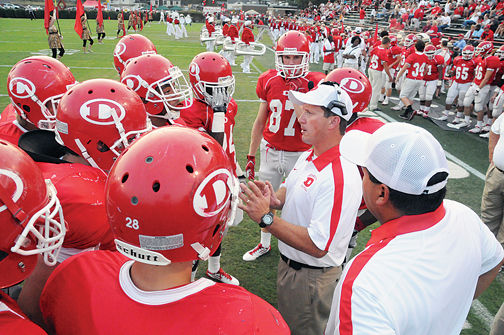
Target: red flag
(78,14)
(48,8)
(99,16)
(375,37)
(141,21)
(151,8)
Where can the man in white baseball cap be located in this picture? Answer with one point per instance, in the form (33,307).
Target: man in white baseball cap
(319,201)
(430,257)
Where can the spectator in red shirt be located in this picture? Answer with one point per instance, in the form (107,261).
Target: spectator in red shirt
(362,15)
(488,34)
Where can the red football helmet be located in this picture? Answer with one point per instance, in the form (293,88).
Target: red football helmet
(98,118)
(212,79)
(410,40)
(170,196)
(131,46)
(160,84)
(484,48)
(35,85)
(292,43)
(500,52)
(31,219)
(468,52)
(393,40)
(355,83)
(430,51)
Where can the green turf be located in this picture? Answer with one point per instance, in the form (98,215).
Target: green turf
(21,38)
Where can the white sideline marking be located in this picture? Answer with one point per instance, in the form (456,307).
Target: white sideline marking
(448,155)
(467,325)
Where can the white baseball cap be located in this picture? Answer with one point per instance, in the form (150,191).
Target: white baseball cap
(330,96)
(358,30)
(402,156)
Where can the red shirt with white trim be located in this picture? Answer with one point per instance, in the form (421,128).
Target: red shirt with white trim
(8,114)
(282,130)
(323,195)
(463,70)
(93,293)
(417,62)
(432,72)
(200,116)
(12,319)
(417,275)
(394,53)
(490,63)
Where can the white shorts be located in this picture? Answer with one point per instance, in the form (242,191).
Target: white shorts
(276,164)
(410,87)
(388,83)
(480,100)
(400,81)
(351,65)
(328,67)
(457,90)
(498,104)
(427,90)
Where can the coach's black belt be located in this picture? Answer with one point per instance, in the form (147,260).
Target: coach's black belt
(499,169)
(297,266)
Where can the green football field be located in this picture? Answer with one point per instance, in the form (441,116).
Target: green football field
(467,153)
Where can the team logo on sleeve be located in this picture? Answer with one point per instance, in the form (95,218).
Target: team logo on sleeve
(194,70)
(310,179)
(352,85)
(102,111)
(213,194)
(14,186)
(21,88)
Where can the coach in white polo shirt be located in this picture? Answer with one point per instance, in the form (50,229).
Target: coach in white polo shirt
(429,259)
(319,201)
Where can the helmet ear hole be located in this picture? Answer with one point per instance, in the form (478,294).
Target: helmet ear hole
(189,168)
(156,186)
(125,178)
(26,108)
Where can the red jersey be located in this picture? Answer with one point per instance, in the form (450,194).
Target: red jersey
(393,54)
(75,302)
(210,28)
(432,71)
(12,319)
(405,52)
(497,81)
(463,70)
(378,56)
(417,62)
(491,63)
(225,29)
(338,42)
(200,116)
(11,131)
(282,130)
(247,35)
(8,114)
(362,14)
(328,55)
(81,191)
(366,124)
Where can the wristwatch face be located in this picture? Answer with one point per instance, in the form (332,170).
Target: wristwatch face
(266,220)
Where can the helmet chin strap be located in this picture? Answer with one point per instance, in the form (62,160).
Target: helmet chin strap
(85,154)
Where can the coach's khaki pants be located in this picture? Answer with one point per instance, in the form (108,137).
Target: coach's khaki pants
(498,324)
(492,202)
(305,297)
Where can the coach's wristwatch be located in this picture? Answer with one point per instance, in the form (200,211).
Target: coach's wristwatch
(266,220)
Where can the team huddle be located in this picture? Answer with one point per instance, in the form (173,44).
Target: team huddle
(113,190)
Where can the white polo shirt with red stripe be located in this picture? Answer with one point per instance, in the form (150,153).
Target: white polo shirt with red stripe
(323,194)
(417,275)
